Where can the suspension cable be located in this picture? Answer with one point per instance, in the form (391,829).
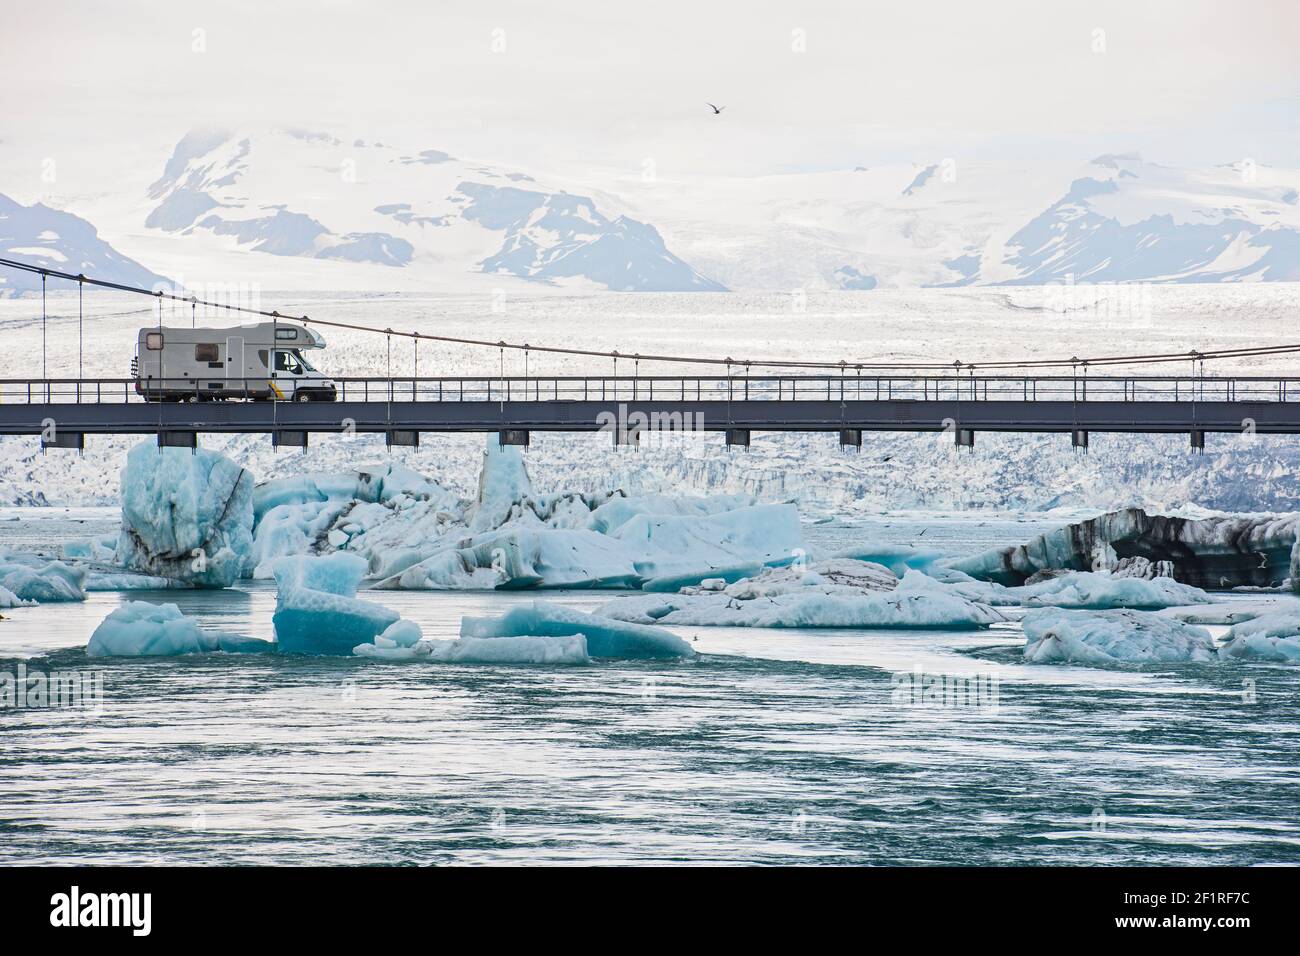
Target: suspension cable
(1153,358)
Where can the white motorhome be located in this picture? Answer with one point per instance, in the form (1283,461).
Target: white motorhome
(262,362)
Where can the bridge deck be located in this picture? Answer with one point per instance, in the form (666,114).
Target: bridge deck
(770,403)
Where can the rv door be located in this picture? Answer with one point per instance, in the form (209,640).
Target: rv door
(235,369)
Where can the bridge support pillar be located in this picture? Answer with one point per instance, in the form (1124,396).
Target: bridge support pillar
(513,436)
(188,440)
(737,437)
(965,437)
(402,437)
(1079,439)
(851,438)
(282,438)
(1198,440)
(62,439)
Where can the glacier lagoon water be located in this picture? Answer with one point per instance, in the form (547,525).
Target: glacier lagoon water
(771,747)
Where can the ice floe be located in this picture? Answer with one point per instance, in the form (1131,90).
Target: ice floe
(1085,589)
(840,592)
(186,515)
(564,649)
(141,629)
(1269,637)
(1056,635)
(317,610)
(29,578)
(604,636)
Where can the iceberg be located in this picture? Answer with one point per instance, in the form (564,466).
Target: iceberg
(317,611)
(1217,552)
(1084,589)
(786,598)
(1270,637)
(604,636)
(186,515)
(568,649)
(141,629)
(414,534)
(28,578)
(1053,635)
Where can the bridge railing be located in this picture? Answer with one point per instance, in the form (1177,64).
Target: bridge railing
(848,388)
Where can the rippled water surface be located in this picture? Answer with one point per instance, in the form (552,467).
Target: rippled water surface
(771,746)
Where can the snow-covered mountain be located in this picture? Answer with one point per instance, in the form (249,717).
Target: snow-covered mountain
(295,209)
(1116,218)
(58,240)
(306,194)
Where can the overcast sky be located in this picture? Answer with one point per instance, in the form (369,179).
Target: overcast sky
(551,85)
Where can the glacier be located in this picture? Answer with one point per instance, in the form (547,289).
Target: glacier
(141,629)
(1055,635)
(317,610)
(186,515)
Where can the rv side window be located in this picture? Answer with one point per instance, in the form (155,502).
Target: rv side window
(286,335)
(153,341)
(206,352)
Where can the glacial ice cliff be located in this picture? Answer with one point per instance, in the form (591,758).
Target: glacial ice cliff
(1215,553)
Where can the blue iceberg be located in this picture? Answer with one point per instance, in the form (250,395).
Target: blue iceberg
(317,611)
(186,515)
(1053,635)
(604,637)
(141,629)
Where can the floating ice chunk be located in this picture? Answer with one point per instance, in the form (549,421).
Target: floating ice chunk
(29,577)
(141,629)
(317,611)
(619,509)
(502,483)
(1213,552)
(569,649)
(672,583)
(9,599)
(522,558)
(186,515)
(1089,590)
(102,549)
(917,601)
(605,637)
(129,581)
(897,558)
(292,529)
(1110,637)
(1269,637)
(663,545)
(401,633)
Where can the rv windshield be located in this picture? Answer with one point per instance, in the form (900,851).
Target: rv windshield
(292,362)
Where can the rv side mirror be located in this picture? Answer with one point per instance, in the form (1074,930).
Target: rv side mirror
(153,341)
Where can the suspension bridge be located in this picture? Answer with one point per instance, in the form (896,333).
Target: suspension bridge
(846,397)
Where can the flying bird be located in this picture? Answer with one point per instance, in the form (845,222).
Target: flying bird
(716,109)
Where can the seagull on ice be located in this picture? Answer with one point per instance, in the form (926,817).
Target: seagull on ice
(716,109)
